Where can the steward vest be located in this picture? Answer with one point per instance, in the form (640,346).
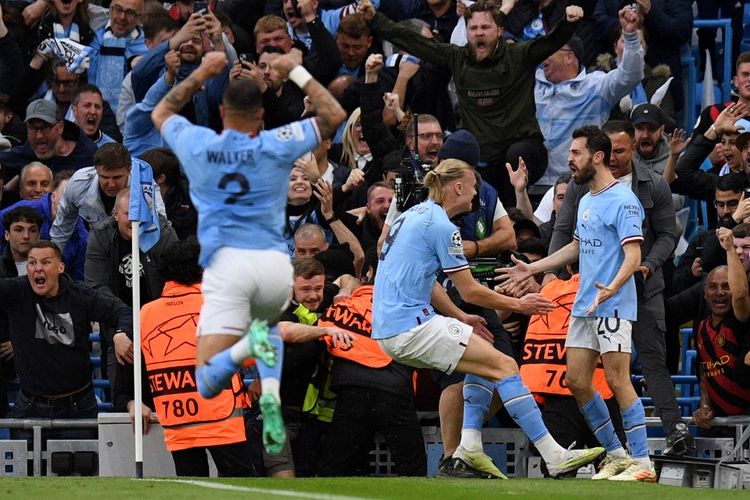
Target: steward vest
(354,315)
(168,333)
(543,361)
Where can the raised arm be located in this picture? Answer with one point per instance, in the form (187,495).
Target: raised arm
(736,274)
(213,64)
(329,113)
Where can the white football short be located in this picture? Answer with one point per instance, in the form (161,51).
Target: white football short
(600,334)
(240,285)
(439,343)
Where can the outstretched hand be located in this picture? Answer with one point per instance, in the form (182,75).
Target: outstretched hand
(535,303)
(603,293)
(519,178)
(517,273)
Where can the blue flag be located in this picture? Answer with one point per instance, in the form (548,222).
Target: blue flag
(143,204)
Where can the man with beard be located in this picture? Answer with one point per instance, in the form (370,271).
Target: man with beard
(190,45)
(283,101)
(660,234)
(606,244)
(379,200)
(494,82)
(409,330)
(652,145)
(51,140)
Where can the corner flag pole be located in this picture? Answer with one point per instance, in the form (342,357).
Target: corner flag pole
(138,398)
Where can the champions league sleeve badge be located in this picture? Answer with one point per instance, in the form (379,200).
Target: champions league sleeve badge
(457,245)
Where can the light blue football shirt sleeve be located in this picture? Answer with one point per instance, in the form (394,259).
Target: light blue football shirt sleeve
(630,221)
(448,247)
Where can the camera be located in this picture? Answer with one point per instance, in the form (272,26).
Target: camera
(747,193)
(483,268)
(409,189)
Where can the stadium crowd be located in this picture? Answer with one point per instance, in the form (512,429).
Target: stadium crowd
(87,90)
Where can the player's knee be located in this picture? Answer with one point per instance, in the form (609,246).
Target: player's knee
(618,379)
(577,382)
(507,366)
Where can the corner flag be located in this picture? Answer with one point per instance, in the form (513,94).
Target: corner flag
(143,205)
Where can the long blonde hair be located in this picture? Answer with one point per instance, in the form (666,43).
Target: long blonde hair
(349,141)
(445,173)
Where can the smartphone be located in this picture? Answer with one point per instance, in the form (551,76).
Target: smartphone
(295,6)
(200,7)
(747,193)
(246,57)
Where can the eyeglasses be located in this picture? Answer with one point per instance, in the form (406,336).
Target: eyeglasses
(726,204)
(438,136)
(116,11)
(68,84)
(43,129)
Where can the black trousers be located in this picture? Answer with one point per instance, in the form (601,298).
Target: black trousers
(232,460)
(534,154)
(649,333)
(360,412)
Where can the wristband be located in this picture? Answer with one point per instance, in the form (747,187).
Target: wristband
(332,219)
(300,76)
(713,127)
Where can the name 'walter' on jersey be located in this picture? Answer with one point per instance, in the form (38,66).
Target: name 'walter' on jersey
(607,220)
(239,183)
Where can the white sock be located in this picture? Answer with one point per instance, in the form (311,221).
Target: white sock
(270,385)
(551,451)
(644,462)
(240,351)
(471,440)
(619,453)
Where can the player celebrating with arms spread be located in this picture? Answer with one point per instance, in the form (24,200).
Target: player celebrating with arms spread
(607,244)
(238,183)
(422,241)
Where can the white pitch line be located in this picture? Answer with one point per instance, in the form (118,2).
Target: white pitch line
(267,491)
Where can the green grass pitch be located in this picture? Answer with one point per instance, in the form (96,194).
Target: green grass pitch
(344,489)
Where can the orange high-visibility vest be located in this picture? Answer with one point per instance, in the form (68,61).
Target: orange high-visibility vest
(168,334)
(543,361)
(354,315)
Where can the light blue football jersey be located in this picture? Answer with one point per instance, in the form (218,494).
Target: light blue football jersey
(606,221)
(421,242)
(239,183)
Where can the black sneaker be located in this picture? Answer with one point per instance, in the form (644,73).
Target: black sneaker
(457,468)
(680,442)
(445,464)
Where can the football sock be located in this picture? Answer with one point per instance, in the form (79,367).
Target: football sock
(634,422)
(597,416)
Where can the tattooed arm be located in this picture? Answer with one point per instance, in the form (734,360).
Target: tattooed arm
(213,64)
(328,112)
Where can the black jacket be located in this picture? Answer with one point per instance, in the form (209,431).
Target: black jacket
(102,260)
(50,335)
